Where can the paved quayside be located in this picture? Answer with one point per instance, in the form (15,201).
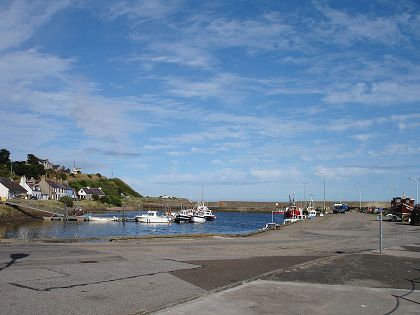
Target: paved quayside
(324,266)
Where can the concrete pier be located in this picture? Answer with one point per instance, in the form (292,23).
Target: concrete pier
(328,265)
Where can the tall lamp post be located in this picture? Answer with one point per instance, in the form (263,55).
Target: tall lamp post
(360,200)
(393,190)
(417,188)
(319,172)
(304,194)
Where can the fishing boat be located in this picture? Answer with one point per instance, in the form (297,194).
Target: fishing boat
(311,210)
(401,207)
(207,213)
(293,213)
(152,217)
(198,217)
(183,216)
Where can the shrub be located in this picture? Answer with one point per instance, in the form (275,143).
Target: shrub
(106,199)
(67,201)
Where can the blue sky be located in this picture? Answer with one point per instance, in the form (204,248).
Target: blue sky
(247,98)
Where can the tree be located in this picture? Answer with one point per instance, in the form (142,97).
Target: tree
(32,159)
(66,200)
(29,170)
(4,156)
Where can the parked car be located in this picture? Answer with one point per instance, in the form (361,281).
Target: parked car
(391,217)
(340,208)
(415,215)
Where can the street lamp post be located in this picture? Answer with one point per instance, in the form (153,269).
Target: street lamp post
(417,187)
(360,200)
(304,194)
(319,172)
(393,190)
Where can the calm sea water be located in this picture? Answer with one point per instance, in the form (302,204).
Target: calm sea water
(226,223)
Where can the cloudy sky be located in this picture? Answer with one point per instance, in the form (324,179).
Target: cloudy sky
(250,99)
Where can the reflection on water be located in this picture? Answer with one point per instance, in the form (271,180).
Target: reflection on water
(226,223)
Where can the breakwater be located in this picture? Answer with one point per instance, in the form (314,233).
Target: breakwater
(258,206)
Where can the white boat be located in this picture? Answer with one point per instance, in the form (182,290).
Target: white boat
(198,217)
(311,210)
(100,219)
(293,213)
(183,216)
(152,217)
(208,214)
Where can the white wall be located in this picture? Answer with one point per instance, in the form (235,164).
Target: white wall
(4,192)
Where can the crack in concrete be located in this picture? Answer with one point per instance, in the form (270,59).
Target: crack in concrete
(82,284)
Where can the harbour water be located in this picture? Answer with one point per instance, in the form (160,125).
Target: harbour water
(226,223)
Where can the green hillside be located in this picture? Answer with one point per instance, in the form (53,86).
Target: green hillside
(114,188)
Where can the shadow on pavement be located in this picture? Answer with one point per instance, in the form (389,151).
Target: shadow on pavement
(14,258)
(404,296)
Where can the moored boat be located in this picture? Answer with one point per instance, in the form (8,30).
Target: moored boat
(183,216)
(311,210)
(293,213)
(152,217)
(92,218)
(198,217)
(207,213)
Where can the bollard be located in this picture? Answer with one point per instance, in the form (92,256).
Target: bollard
(380,232)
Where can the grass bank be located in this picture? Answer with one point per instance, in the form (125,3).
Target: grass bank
(10,214)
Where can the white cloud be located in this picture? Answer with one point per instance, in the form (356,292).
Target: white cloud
(20,19)
(177,53)
(214,87)
(226,176)
(346,28)
(362,136)
(274,175)
(141,9)
(377,93)
(361,170)
(348,123)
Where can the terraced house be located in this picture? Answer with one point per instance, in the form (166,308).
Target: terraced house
(10,189)
(55,190)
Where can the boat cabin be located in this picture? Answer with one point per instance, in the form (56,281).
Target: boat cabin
(402,200)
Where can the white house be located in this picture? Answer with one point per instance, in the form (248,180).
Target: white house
(47,164)
(76,170)
(25,185)
(32,187)
(9,189)
(87,193)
